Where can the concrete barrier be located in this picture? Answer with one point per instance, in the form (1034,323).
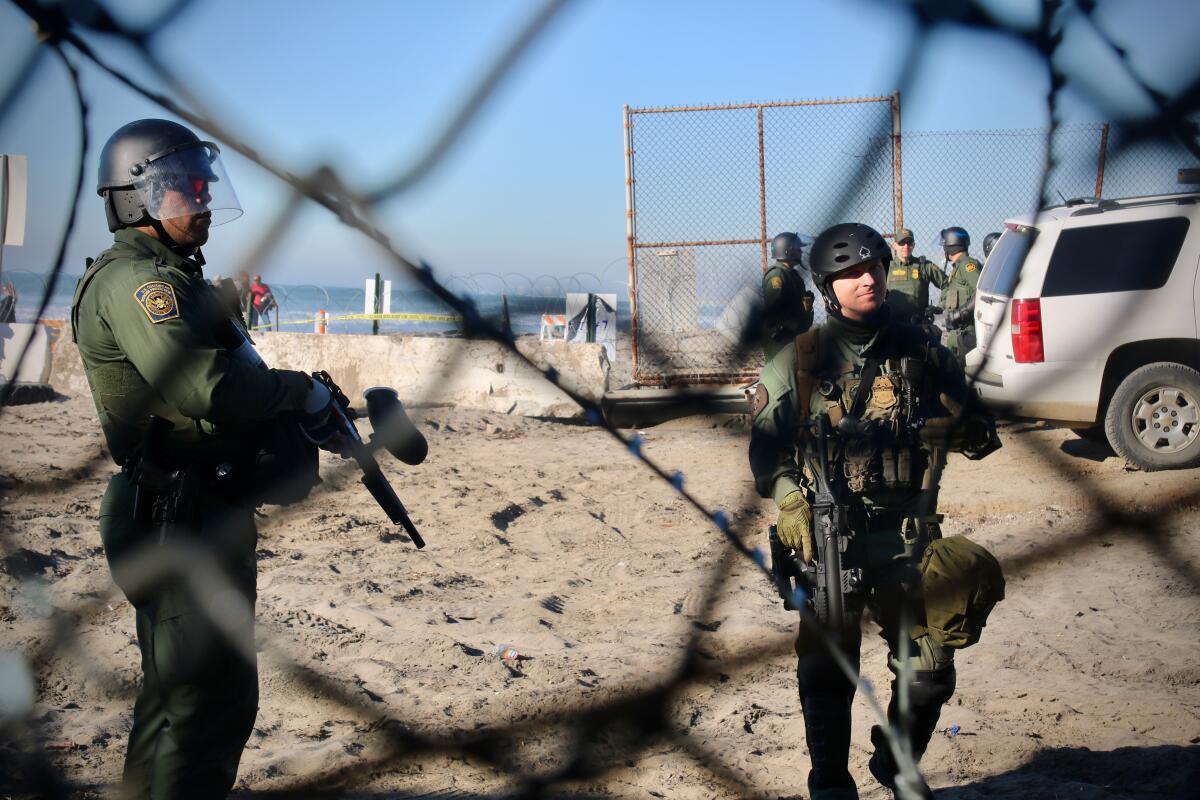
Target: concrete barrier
(425,370)
(14,336)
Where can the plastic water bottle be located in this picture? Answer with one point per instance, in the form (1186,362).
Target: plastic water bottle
(506,653)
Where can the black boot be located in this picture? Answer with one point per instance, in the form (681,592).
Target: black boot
(827,731)
(929,691)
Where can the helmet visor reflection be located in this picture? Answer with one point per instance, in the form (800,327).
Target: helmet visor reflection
(186,182)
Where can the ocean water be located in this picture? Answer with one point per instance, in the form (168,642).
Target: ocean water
(298,306)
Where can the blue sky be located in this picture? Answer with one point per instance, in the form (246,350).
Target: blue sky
(536,186)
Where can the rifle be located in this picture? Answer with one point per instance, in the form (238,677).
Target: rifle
(380,409)
(830,577)
(403,440)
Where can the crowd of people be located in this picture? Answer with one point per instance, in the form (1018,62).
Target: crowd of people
(253,297)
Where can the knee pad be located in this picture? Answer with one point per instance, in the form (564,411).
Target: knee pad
(932,688)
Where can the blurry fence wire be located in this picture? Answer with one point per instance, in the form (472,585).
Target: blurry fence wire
(706,187)
(604,735)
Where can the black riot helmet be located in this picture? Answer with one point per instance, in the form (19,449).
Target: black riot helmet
(155,169)
(989,242)
(842,247)
(788,248)
(954,240)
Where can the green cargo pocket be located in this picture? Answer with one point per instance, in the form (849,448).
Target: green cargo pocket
(961,582)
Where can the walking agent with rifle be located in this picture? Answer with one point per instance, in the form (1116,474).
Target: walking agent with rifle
(851,425)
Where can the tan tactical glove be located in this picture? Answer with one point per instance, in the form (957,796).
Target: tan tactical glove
(795,525)
(961,432)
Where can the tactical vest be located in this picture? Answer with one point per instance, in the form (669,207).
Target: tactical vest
(959,290)
(908,292)
(892,462)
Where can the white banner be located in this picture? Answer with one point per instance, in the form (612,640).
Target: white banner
(14,187)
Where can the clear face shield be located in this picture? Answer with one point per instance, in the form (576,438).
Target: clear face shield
(947,237)
(186,182)
(806,242)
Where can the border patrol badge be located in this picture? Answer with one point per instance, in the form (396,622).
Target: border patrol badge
(759,400)
(883,393)
(157,299)
(915,274)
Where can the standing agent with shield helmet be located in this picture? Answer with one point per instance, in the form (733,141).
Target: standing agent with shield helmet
(202,435)
(848,423)
(958,295)
(787,302)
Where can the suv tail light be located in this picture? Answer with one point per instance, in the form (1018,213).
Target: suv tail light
(1027,332)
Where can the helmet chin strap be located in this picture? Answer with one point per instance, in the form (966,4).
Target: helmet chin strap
(193,253)
(831,302)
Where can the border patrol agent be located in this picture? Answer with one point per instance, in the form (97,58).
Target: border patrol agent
(863,362)
(149,332)
(787,303)
(908,280)
(958,296)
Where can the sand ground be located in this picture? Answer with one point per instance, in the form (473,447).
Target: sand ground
(553,539)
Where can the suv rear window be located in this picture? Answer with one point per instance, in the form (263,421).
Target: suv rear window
(1004,264)
(1125,257)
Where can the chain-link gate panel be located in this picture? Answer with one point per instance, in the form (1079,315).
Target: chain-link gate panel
(709,186)
(978,179)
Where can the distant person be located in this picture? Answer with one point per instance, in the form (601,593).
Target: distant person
(153,338)
(787,302)
(958,296)
(908,281)
(989,242)
(8,303)
(261,301)
(242,283)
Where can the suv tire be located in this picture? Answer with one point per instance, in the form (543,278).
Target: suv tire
(1163,394)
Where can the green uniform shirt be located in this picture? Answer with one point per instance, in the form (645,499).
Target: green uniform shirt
(841,354)
(960,286)
(908,286)
(145,321)
(787,307)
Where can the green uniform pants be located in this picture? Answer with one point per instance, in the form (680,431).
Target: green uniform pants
(826,694)
(199,694)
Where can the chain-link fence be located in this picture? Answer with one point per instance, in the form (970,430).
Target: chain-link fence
(707,186)
(711,185)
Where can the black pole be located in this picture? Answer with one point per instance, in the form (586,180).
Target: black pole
(591,317)
(378,305)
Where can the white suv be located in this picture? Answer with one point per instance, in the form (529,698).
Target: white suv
(1086,315)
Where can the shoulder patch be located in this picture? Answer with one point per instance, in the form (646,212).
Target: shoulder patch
(776,282)
(157,299)
(970,266)
(759,400)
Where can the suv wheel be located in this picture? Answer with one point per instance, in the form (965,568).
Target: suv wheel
(1153,419)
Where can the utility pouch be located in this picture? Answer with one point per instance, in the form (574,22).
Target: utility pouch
(961,582)
(286,467)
